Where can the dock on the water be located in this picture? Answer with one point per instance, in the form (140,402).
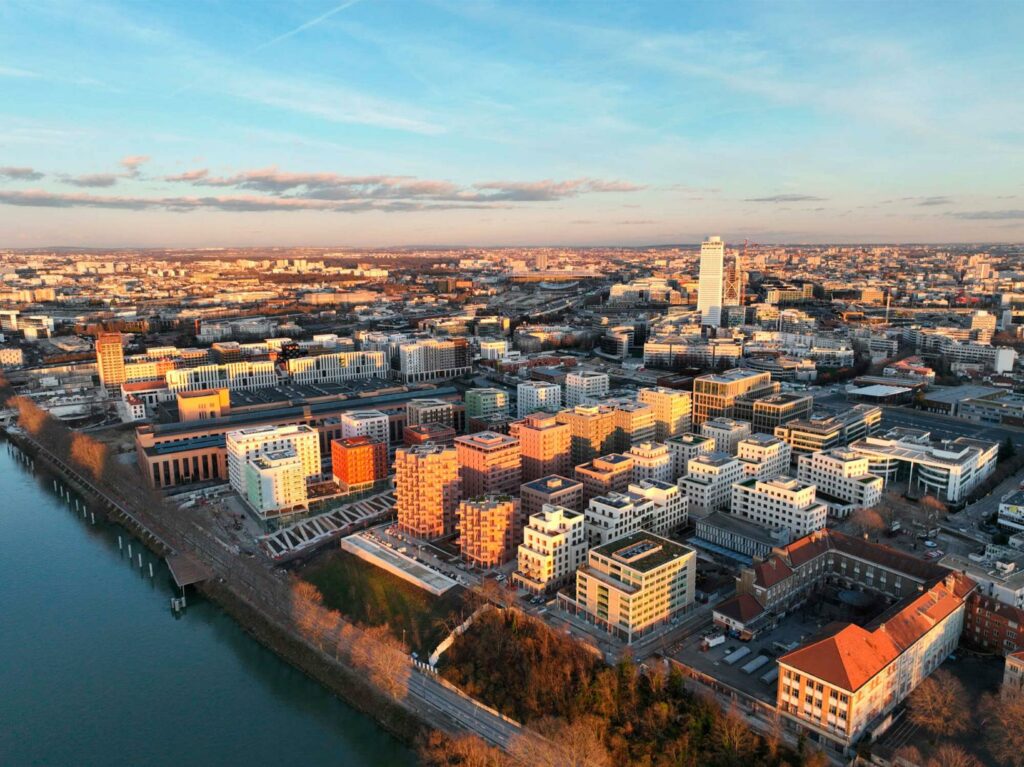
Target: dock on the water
(187,570)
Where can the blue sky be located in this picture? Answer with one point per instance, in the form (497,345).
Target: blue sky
(376,122)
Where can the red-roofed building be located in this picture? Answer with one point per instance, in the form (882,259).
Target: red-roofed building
(836,687)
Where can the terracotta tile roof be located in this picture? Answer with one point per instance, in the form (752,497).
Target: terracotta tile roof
(773,570)
(805,549)
(847,659)
(852,655)
(743,608)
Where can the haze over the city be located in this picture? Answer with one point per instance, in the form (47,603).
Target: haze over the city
(388,124)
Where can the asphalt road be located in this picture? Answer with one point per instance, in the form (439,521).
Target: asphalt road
(465,713)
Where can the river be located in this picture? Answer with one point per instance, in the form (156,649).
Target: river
(96,669)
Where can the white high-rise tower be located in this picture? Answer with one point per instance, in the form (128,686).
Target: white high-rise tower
(709,288)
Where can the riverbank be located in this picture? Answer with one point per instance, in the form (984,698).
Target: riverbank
(93,649)
(284,640)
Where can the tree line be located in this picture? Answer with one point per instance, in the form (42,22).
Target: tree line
(590,713)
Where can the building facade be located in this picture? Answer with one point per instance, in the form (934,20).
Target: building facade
(427,490)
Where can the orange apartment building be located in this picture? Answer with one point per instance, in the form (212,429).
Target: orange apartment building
(358,461)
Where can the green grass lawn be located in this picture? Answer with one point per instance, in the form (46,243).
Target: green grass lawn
(370,596)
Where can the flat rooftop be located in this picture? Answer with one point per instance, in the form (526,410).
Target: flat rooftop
(643,551)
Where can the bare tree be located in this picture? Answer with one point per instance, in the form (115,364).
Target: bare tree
(940,705)
(90,454)
(932,504)
(908,756)
(1005,733)
(815,759)
(868,521)
(950,755)
(440,750)
(563,744)
(732,736)
(385,658)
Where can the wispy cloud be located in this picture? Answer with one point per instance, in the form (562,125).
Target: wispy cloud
(334,186)
(931,201)
(303,27)
(540,191)
(234,204)
(333,103)
(786,198)
(92,180)
(990,215)
(20,173)
(131,163)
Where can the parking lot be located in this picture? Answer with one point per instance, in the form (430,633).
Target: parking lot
(757,678)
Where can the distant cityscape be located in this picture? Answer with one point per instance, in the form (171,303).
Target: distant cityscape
(787,473)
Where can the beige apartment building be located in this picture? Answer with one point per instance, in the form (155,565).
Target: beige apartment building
(110,359)
(543,445)
(763,456)
(631,586)
(841,475)
(553,547)
(591,431)
(726,432)
(685,447)
(714,395)
(673,411)
(608,473)
(427,490)
(708,481)
(780,502)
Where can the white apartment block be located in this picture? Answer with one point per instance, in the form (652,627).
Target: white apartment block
(842,475)
(685,447)
(246,444)
(672,411)
(584,387)
(275,484)
(763,456)
(727,433)
(655,506)
(554,545)
(339,366)
(780,502)
(493,349)
(366,423)
(233,375)
(433,359)
(651,460)
(533,396)
(948,469)
(708,481)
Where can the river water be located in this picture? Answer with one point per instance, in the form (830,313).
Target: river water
(96,670)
